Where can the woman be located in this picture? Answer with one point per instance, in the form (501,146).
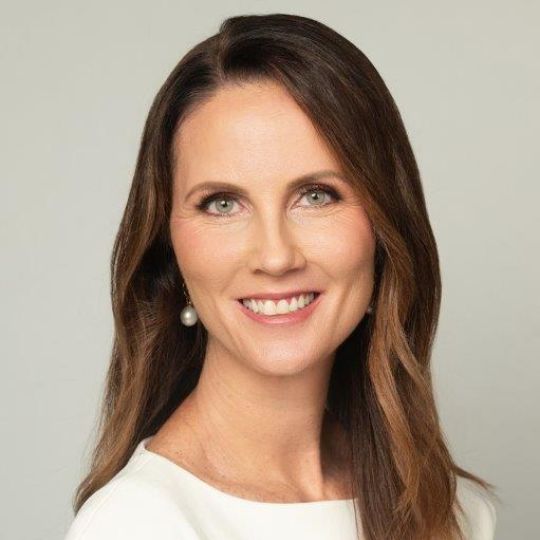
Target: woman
(276,290)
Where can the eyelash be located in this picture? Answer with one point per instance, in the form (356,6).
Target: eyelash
(203,204)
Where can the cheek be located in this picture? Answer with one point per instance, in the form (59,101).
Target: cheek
(203,251)
(347,243)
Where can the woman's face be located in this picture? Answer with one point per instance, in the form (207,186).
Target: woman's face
(264,235)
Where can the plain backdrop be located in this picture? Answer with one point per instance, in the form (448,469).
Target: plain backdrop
(77,80)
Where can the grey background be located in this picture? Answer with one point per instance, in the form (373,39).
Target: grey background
(77,79)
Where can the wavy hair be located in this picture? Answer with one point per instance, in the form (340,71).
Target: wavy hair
(403,476)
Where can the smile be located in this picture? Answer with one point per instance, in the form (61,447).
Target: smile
(297,309)
(279,307)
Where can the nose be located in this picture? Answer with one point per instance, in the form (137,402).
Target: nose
(275,247)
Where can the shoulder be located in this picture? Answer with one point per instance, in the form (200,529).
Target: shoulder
(133,505)
(480,516)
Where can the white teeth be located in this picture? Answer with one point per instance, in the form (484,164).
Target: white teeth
(269,307)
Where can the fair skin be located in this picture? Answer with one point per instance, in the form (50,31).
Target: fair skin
(255,425)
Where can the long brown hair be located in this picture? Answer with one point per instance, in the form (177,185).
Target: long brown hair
(380,389)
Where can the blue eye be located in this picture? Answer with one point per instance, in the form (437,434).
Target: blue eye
(220,198)
(223,199)
(327,191)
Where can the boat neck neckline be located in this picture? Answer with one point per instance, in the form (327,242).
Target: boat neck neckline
(327,503)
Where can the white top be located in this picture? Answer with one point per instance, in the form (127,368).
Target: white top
(152,498)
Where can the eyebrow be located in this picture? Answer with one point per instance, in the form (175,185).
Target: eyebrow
(297,182)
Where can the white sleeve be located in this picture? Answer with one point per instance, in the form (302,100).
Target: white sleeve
(480,514)
(127,509)
(488,520)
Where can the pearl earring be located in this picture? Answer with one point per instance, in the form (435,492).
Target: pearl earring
(369,310)
(188,315)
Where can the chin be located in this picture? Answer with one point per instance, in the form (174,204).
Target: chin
(282,363)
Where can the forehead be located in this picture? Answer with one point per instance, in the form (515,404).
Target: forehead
(253,130)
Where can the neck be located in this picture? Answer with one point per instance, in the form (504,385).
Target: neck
(255,427)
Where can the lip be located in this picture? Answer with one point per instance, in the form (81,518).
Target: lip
(286,318)
(278,295)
